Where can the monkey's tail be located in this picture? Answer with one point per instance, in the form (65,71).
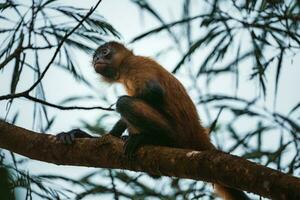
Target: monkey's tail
(229,193)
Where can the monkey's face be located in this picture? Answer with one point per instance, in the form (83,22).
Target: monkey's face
(108,60)
(104,62)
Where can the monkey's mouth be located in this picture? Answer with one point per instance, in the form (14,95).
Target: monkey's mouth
(100,66)
(105,70)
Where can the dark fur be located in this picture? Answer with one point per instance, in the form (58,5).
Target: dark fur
(153,93)
(118,128)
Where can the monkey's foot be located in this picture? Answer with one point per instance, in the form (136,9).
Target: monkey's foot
(132,144)
(69,137)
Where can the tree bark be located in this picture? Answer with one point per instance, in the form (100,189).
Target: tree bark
(107,152)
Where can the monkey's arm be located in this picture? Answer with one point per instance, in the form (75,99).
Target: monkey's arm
(152,93)
(147,125)
(118,128)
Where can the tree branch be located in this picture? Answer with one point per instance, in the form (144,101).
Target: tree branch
(66,107)
(107,152)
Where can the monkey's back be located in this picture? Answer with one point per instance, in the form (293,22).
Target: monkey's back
(188,131)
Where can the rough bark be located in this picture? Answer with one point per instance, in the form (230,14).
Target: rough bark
(107,152)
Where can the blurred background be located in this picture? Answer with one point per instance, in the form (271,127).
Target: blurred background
(239,61)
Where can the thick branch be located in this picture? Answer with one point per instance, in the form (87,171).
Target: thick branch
(107,152)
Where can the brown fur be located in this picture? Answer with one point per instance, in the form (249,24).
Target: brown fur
(187,130)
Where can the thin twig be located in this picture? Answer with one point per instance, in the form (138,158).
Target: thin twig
(114,189)
(65,107)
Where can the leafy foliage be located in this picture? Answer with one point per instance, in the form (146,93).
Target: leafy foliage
(33,29)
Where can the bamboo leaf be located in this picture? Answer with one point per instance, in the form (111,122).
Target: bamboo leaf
(279,65)
(208,37)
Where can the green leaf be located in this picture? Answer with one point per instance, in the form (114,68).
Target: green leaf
(203,67)
(166,26)
(5,5)
(296,107)
(208,37)
(279,65)
(75,98)
(15,76)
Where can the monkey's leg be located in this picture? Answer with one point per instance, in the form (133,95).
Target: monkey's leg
(150,125)
(118,128)
(69,137)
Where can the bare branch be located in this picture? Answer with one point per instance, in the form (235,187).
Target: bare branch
(66,107)
(107,152)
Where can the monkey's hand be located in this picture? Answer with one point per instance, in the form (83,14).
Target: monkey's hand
(69,137)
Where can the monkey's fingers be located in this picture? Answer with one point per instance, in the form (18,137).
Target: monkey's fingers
(65,137)
(69,137)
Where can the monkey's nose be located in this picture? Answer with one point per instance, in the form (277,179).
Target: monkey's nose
(97,57)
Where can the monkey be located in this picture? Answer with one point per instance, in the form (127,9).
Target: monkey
(157,109)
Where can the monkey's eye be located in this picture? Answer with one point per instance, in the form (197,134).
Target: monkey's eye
(104,52)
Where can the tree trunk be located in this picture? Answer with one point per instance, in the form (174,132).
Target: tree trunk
(107,152)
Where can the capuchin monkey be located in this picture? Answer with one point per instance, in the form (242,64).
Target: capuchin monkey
(157,109)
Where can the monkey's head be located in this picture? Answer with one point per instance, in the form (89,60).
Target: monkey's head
(108,58)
